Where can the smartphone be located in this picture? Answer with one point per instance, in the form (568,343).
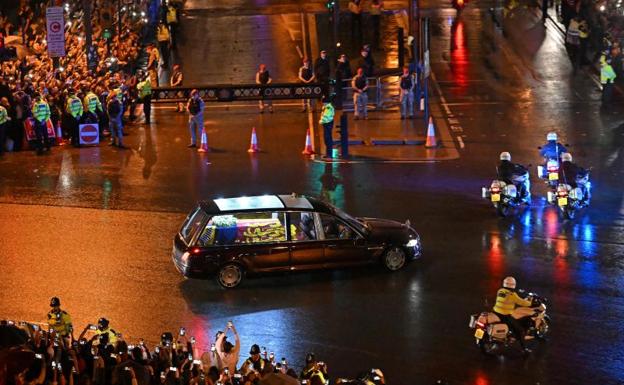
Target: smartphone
(11,323)
(58,366)
(213,348)
(190,356)
(238,375)
(38,356)
(230,324)
(197,362)
(303,382)
(182,331)
(35,327)
(130,347)
(141,342)
(173,369)
(157,350)
(162,375)
(284,361)
(93,327)
(271,355)
(127,368)
(226,371)
(53,364)
(193,340)
(113,355)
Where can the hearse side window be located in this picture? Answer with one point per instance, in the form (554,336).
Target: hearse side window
(192,224)
(244,228)
(302,227)
(334,228)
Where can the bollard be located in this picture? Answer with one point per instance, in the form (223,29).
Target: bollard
(344,136)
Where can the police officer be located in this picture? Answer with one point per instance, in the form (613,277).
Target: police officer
(92,106)
(41,114)
(506,301)
(4,127)
(73,117)
(254,362)
(607,78)
(574,175)
(114,108)
(145,95)
(327,121)
(552,149)
(406,93)
(263,77)
(195,108)
(359,84)
(508,170)
(104,328)
(59,320)
(313,368)
(306,76)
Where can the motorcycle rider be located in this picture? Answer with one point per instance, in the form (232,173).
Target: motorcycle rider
(506,301)
(574,175)
(507,170)
(552,149)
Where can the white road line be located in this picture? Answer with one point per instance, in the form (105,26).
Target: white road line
(461,142)
(442,99)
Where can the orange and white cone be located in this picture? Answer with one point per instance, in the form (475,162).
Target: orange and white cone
(253,146)
(431,142)
(308,150)
(203,146)
(59,136)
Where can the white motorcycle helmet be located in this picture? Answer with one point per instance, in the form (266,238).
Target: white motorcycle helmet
(551,136)
(566,157)
(505,156)
(509,283)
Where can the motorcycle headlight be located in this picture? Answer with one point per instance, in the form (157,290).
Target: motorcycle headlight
(413,242)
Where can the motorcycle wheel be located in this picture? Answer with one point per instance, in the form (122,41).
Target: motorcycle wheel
(544,329)
(502,210)
(489,348)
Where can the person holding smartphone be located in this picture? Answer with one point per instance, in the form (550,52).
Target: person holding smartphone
(228,353)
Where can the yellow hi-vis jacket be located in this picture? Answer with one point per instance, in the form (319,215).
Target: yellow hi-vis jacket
(60,322)
(507,300)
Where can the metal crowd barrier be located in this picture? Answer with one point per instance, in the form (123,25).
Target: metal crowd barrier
(240,92)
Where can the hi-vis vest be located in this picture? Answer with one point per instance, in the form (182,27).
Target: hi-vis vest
(41,111)
(506,301)
(3,115)
(73,106)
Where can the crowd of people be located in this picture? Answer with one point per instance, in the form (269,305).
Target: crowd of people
(50,353)
(41,96)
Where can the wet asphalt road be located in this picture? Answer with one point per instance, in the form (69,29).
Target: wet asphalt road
(95,226)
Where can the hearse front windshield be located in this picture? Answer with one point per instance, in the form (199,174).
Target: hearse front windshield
(359,226)
(192,224)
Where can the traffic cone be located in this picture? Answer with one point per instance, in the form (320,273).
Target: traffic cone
(203,147)
(308,150)
(59,136)
(431,142)
(253,146)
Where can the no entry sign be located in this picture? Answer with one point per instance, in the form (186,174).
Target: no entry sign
(89,134)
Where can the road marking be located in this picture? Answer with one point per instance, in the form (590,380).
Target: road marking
(453,122)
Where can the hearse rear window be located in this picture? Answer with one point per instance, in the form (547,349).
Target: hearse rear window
(244,228)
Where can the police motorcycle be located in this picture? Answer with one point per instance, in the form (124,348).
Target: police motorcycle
(493,335)
(505,196)
(549,171)
(570,199)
